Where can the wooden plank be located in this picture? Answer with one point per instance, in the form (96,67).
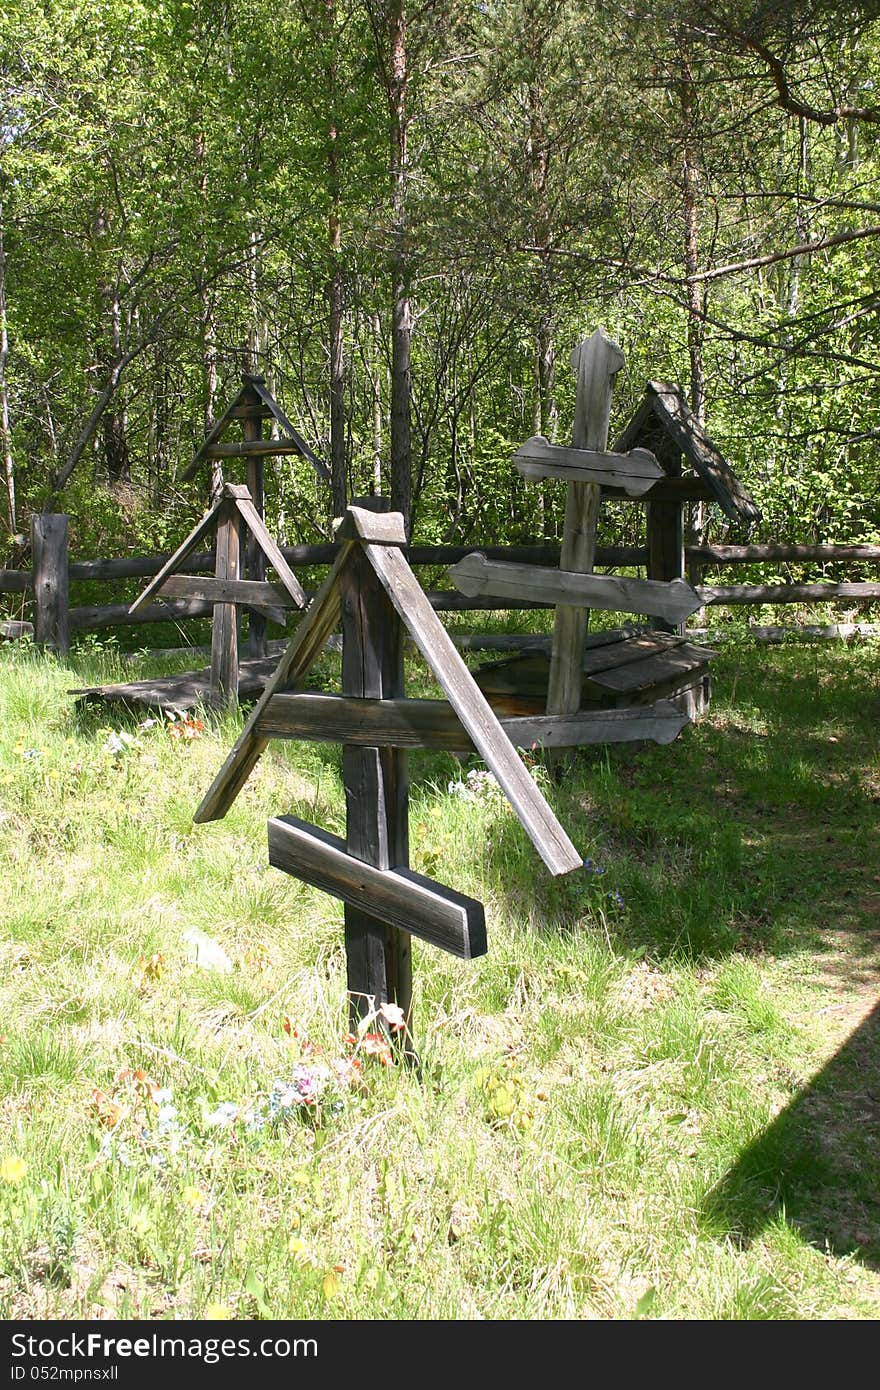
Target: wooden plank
(596,362)
(264,448)
(665,528)
(688,488)
(633,649)
(49,533)
(184,691)
(382,528)
(273,598)
(409,900)
(206,524)
(17,581)
(224,634)
(275,410)
(777,550)
(378,953)
(306,645)
(476,575)
(97,617)
(13,630)
(663,667)
(788,593)
(271,549)
(472,708)
(693,441)
(255,558)
(634,472)
(534,642)
(434,724)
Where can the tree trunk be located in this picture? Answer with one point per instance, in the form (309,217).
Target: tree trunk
(5,433)
(401,308)
(335,287)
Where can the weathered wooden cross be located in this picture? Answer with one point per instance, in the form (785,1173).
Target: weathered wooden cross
(587,466)
(374,591)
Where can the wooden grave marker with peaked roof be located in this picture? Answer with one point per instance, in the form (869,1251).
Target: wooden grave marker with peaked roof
(253,404)
(375,593)
(232,513)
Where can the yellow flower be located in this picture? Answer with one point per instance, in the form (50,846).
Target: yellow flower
(301,1178)
(218,1312)
(12,1170)
(330,1285)
(294,1221)
(194,1196)
(296,1247)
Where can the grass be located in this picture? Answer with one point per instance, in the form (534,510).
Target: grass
(656,1096)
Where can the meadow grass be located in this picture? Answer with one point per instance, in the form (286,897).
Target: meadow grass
(654,1097)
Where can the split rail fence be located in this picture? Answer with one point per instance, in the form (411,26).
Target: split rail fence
(46,586)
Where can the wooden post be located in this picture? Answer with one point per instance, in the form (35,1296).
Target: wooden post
(596,362)
(224,637)
(376,789)
(49,532)
(666,549)
(255,564)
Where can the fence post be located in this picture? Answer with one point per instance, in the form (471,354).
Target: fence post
(49,532)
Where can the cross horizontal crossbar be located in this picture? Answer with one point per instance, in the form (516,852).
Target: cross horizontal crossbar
(408,900)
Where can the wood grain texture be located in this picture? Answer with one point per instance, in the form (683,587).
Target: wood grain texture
(278,414)
(477,575)
(273,598)
(596,362)
(361,523)
(634,472)
(17,581)
(472,708)
(410,901)
(788,593)
(666,666)
(49,533)
(306,645)
(224,633)
(665,528)
(270,548)
(255,556)
(434,724)
(199,531)
(378,953)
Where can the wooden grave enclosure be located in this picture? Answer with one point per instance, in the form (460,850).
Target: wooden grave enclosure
(372,588)
(626,669)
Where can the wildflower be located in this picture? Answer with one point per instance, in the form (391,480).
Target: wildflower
(393,1015)
(617,900)
(592,868)
(105,1110)
(218,1312)
(374,1045)
(225,1113)
(147,724)
(194,1196)
(32,753)
(349,1071)
(330,1285)
(138,1080)
(296,1247)
(117,742)
(13,1170)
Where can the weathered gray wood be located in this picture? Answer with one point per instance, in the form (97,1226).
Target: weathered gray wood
(206,524)
(215,433)
(49,532)
(264,448)
(666,560)
(434,724)
(412,902)
(634,472)
(255,557)
(270,548)
(532,642)
(98,617)
(789,593)
(224,635)
(687,488)
(596,362)
(361,523)
(306,645)
(433,641)
(272,599)
(275,410)
(16,581)
(667,404)
(378,953)
(630,649)
(12,630)
(654,670)
(181,692)
(778,550)
(476,575)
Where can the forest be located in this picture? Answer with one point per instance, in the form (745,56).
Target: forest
(404,216)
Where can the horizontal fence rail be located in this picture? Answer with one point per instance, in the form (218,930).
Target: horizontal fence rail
(54,620)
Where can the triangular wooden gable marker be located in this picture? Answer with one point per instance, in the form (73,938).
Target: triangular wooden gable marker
(270,549)
(307,643)
(218,429)
(199,530)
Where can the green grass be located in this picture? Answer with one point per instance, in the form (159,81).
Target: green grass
(664,1107)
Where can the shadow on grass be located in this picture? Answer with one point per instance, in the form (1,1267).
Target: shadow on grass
(818,1164)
